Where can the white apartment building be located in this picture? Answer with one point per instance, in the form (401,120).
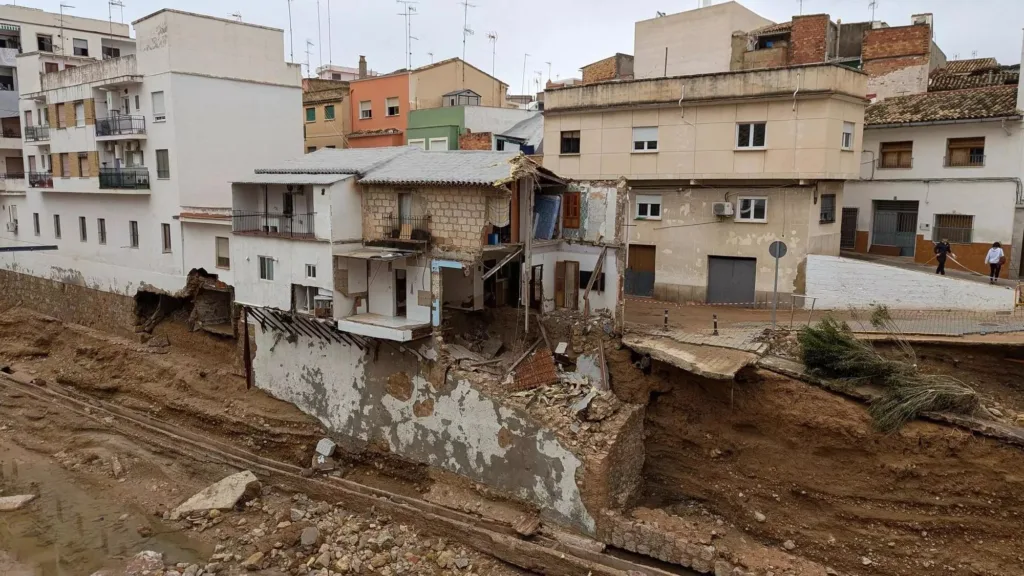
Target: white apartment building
(130,158)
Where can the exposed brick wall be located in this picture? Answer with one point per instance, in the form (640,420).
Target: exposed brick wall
(912,40)
(599,71)
(68,302)
(808,39)
(475,141)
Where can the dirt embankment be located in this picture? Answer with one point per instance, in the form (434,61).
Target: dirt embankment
(786,461)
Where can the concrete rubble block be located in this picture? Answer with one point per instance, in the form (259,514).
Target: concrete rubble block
(326,447)
(490,348)
(223,495)
(145,563)
(12,503)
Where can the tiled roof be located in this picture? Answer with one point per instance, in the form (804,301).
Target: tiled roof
(971,65)
(376,132)
(976,103)
(450,168)
(333,161)
(939,82)
(771,29)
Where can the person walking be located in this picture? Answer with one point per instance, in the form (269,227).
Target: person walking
(942,250)
(995,260)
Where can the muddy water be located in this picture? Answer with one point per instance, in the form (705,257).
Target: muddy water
(71,530)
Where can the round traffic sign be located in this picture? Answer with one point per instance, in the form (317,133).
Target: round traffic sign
(777,249)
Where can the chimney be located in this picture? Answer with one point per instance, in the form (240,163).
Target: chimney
(362,67)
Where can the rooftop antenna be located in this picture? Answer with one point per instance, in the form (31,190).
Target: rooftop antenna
(549,71)
(236,16)
(492,37)
(62,7)
(801,3)
(330,44)
(873,4)
(110,13)
(974,53)
(523,87)
(466,31)
(538,77)
(319,35)
(309,44)
(431,54)
(659,14)
(291,35)
(407,10)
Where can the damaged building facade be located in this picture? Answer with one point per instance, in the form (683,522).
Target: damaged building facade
(717,167)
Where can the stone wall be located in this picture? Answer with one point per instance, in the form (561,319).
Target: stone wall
(68,302)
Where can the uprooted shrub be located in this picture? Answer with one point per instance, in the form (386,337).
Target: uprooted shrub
(831,350)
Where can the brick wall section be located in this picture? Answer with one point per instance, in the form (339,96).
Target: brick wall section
(652,541)
(52,114)
(475,141)
(68,302)
(69,114)
(808,39)
(457,217)
(599,71)
(912,40)
(90,112)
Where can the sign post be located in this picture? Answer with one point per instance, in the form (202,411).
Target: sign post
(776,250)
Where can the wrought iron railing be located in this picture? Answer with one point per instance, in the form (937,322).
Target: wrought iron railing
(273,224)
(120,125)
(964,161)
(406,228)
(37,133)
(40,180)
(124,178)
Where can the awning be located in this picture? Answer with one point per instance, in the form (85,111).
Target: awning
(314,179)
(381,255)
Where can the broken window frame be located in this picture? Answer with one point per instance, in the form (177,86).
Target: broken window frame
(749,140)
(752,208)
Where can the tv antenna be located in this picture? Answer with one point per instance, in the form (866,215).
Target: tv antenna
(466,32)
(309,44)
(236,16)
(110,13)
(319,34)
(431,54)
(549,71)
(492,37)
(408,11)
(330,44)
(291,35)
(62,7)
(523,87)
(873,4)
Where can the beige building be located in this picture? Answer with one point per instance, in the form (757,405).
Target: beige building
(718,166)
(434,85)
(326,113)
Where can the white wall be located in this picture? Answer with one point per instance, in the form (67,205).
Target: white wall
(841,283)
(1002,150)
(495,120)
(201,247)
(457,288)
(587,257)
(346,210)
(381,288)
(290,259)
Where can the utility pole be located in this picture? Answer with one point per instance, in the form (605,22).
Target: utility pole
(291,35)
(801,3)
(62,7)
(523,87)
(466,31)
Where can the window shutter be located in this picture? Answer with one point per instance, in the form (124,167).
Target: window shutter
(571,210)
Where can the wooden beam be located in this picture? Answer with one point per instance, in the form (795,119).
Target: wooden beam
(593,278)
(498,266)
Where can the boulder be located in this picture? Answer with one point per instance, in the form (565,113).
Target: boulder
(12,503)
(224,495)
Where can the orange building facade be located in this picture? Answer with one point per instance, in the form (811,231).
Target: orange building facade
(379,108)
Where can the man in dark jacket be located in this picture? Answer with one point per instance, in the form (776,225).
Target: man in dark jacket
(942,250)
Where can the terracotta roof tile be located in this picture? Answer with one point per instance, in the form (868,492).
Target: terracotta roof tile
(779,28)
(971,65)
(976,103)
(939,82)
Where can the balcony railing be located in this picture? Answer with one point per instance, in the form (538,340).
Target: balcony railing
(121,125)
(37,133)
(40,180)
(271,224)
(904,163)
(958,161)
(124,178)
(407,229)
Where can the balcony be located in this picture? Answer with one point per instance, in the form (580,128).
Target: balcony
(12,184)
(295,226)
(404,230)
(96,74)
(40,180)
(964,161)
(37,133)
(124,178)
(114,127)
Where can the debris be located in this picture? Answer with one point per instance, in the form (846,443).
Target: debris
(310,536)
(461,562)
(12,503)
(145,562)
(589,366)
(582,404)
(601,407)
(539,370)
(116,468)
(760,517)
(253,562)
(326,447)
(462,353)
(159,341)
(297,514)
(490,348)
(527,525)
(224,495)
(866,561)
(561,348)
(789,545)
(324,464)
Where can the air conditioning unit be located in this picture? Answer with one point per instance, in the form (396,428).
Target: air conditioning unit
(131,146)
(109,146)
(722,208)
(12,226)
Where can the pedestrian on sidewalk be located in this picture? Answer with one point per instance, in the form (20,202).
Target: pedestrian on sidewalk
(942,250)
(995,260)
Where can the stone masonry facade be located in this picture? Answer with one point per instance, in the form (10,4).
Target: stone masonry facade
(68,302)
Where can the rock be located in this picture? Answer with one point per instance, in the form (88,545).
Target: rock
(527,525)
(602,407)
(446,559)
(760,517)
(325,447)
(223,495)
(158,341)
(866,561)
(212,568)
(306,472)
(297,514)
(191,570)
(324,560)
(115,467)
(342,565)
(144,563)
(12,503)
(831,572)
(253,562)
(461,562)
(310,536)
(789,545)
(323,463)
(379,560)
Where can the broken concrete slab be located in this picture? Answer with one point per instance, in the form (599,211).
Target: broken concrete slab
(590,366)
(490,348)
(223,495)
(12,503)
(326,447)
(462,353)
(707,361)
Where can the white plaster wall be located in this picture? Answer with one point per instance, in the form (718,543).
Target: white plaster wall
(346,210)
(457,288)
(1002,151)
(417,278)
(494,120)
(200,247)
(840,283)
(290,259)
(381,288)
(908,80)
(587,257)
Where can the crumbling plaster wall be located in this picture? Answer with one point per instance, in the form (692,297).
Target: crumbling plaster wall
(403,404)
(598,202)
(587,256)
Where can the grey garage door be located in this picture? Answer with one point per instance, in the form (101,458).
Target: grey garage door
(731,280)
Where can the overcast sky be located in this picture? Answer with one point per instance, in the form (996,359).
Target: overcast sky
(566,33)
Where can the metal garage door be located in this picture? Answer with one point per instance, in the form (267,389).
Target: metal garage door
(895,225)
(731,280)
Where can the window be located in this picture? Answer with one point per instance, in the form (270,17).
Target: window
(957,228)
(83,164)
(126,105)
(585,281)
(328,112)
(266,268)
(65,165)
(28,117)
(61,118)
(46,116)
(753,209)
(648,207)
(137,107)
(101,230)
(828,208)
(79,113)
(570,142)
(310,149)
(335,76)
(847,135)
(110,52)
(83,234)
(365,111)
(165,234)
(645,139)
(50,67)
(44,42)
(310,271)
(35,223)
(418,142)
(81,47)
(223,252)
(56,226)
(133,234)
(571,210)
(896,155)
(332,147)
(159,112)
(750,135)
(965,152)
(310,114)
(163,164)
(438,144)
(392,104)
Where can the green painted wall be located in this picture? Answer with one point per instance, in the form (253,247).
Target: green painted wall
(437,123)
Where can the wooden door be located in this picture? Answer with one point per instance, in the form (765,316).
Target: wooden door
(560,284)
(572,284)
(640,271)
